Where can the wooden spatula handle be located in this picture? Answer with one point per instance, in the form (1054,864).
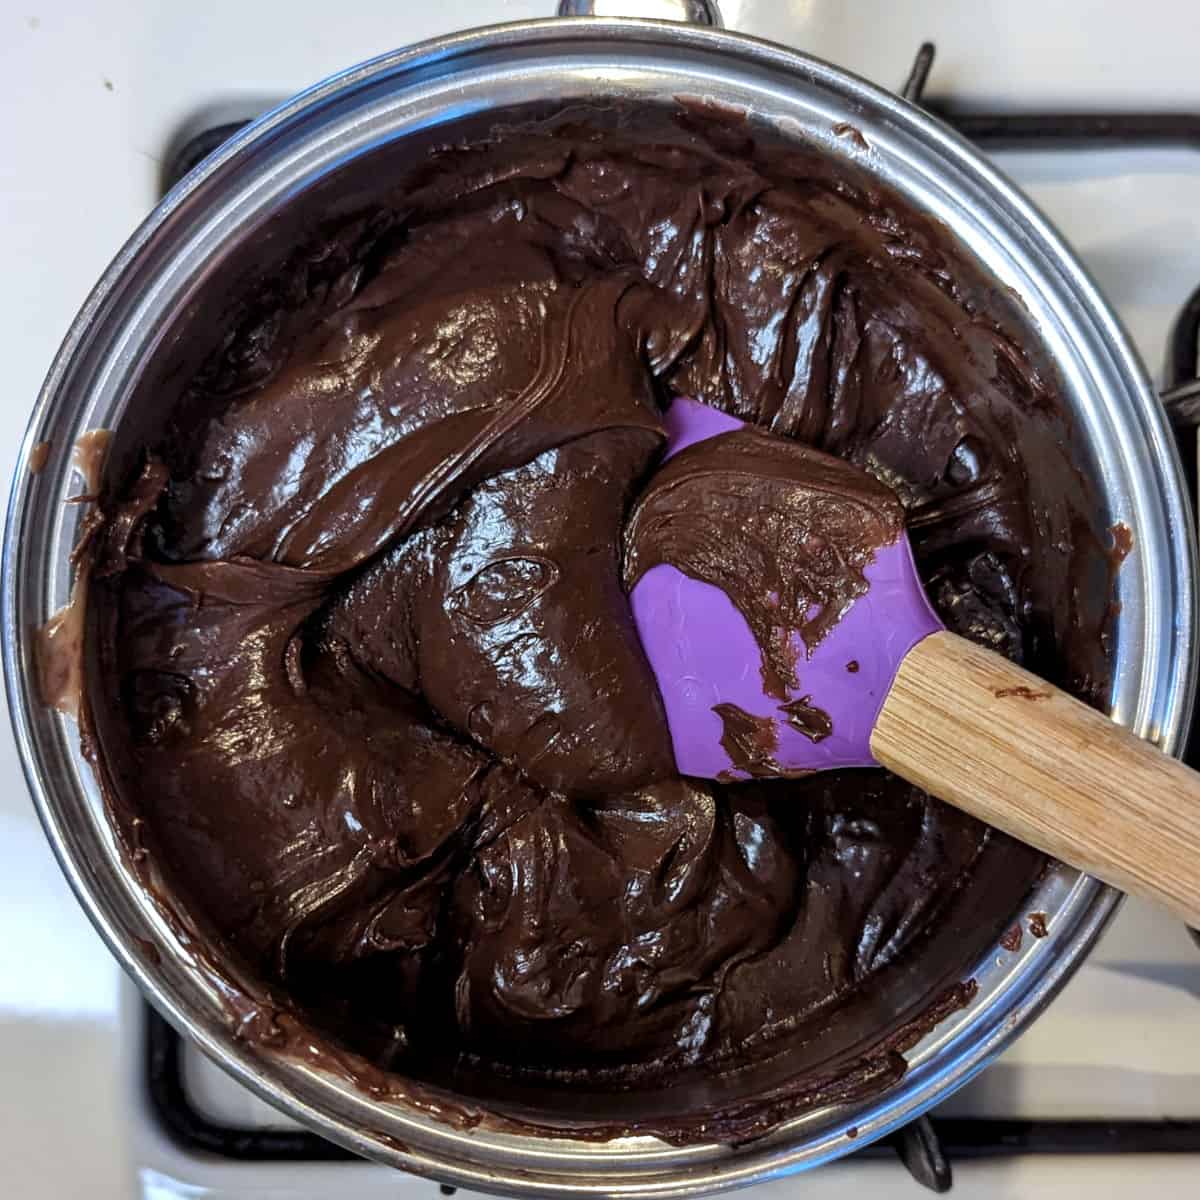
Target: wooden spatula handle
(990,738)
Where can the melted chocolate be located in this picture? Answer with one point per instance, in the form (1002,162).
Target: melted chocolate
(58,645)
(1011,941)
(851,133)
(1122,542)
(749,741)
(364,691)
(784,531)
(813,722)
(87,458)
(58,653)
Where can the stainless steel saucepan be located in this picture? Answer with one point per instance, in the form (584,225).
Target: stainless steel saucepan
(232,212)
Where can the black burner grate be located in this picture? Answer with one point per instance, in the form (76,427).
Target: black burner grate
(928,1145)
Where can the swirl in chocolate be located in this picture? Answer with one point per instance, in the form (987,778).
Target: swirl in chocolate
(362,667)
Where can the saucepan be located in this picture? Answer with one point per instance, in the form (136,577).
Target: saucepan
(236,209)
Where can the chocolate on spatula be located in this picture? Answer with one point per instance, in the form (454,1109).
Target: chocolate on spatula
(779,606)
(775,595)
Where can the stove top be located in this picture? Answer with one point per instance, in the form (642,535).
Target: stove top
(1102,1094)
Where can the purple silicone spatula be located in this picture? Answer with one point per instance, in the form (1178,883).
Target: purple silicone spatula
(887,685)
(704,655)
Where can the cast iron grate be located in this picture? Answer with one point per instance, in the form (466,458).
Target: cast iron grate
(929,1145)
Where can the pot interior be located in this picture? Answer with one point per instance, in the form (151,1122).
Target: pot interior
(245,289)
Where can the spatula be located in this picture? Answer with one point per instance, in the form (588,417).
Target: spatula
(888,685)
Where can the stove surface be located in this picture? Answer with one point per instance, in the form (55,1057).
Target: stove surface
(96,97)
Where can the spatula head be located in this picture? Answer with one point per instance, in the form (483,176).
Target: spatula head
(729,717)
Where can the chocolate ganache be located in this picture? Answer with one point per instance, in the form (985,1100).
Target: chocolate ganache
(362,673)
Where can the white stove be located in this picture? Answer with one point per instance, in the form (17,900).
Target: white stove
(94,97)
